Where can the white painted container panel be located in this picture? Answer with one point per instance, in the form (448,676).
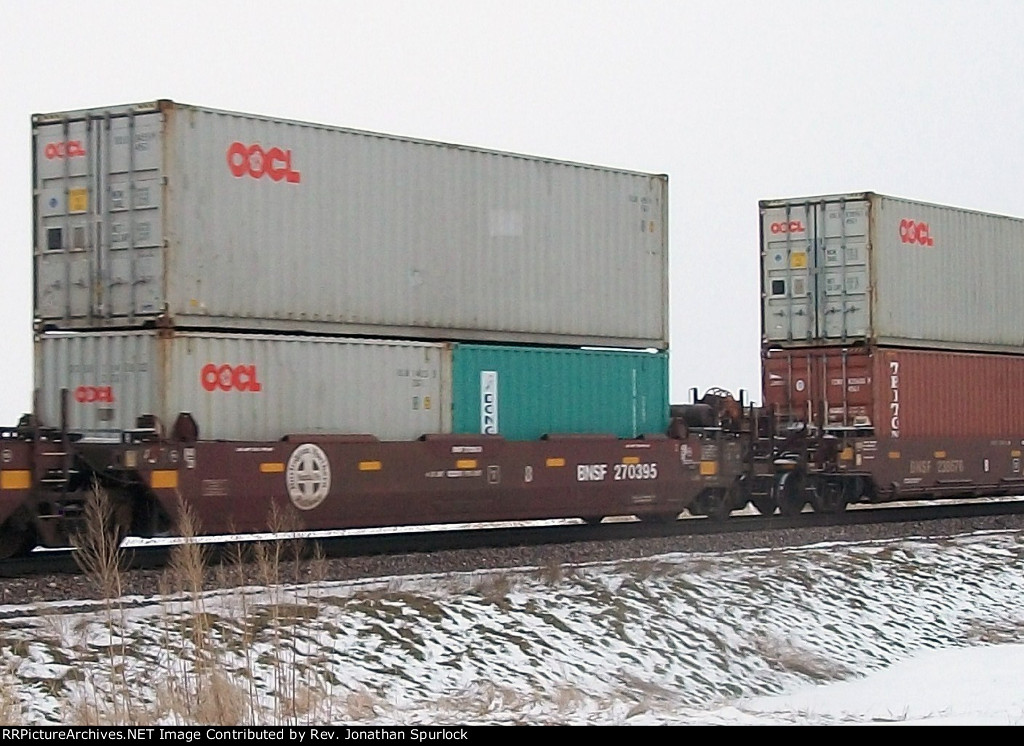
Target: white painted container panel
(260,224)
(864,267)
(244,386)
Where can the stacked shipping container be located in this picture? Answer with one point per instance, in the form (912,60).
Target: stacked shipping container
(261,386)
(228,231)
(892,317)
(216,220)
(867,269)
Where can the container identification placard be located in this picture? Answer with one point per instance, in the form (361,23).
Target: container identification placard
(489,402)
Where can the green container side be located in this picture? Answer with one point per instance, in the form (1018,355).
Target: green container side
(561,390)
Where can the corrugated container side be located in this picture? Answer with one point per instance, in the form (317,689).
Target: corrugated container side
(944,274)
(251,223)
(244,387)
(901,393)
(888,271)
(525,392)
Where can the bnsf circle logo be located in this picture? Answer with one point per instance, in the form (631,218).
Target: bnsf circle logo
(229,378)
(787,226)
(69,149)
(912,231)
(255,161)
(308,476)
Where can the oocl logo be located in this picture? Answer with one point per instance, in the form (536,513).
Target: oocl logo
(69,149)
(912,231)
(229,378)
(93,394)
(254,161)
(787,226)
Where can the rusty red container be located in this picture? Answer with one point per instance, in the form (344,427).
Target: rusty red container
(897,392)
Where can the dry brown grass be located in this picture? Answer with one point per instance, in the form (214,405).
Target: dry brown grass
(361,705)
(203,673)
(10,705)
(494,587)
(186,570)
(197,687)
(222,701)
(98,553)
(554,573)
(997,633)
(787,657)
(98,545)
(568,698)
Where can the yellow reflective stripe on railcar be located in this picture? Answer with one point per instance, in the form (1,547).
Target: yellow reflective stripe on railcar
(15,479)
(163,479)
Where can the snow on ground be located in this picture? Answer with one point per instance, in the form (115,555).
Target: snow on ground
(961,686)
(917,630)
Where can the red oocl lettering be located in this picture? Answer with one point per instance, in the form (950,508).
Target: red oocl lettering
(94,394)
(69,149)
(254,161)
(914,232)
(229,378)
(790,226)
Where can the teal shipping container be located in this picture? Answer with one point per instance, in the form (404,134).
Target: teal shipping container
(522,393)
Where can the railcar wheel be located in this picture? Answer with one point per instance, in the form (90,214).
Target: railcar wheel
(764,504)
(758,492)
(829,497)
(716,504)
(789,494)
(17,537)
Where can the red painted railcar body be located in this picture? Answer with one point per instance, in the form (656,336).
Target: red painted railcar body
(348,482)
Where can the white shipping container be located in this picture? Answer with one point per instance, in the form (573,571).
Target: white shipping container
(213,219)
(244,386)
(864,267)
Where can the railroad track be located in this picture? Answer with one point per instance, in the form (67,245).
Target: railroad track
(152,556)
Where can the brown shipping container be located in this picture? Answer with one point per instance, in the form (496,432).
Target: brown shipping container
(899,393)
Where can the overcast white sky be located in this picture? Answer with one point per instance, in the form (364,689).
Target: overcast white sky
(736,101)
